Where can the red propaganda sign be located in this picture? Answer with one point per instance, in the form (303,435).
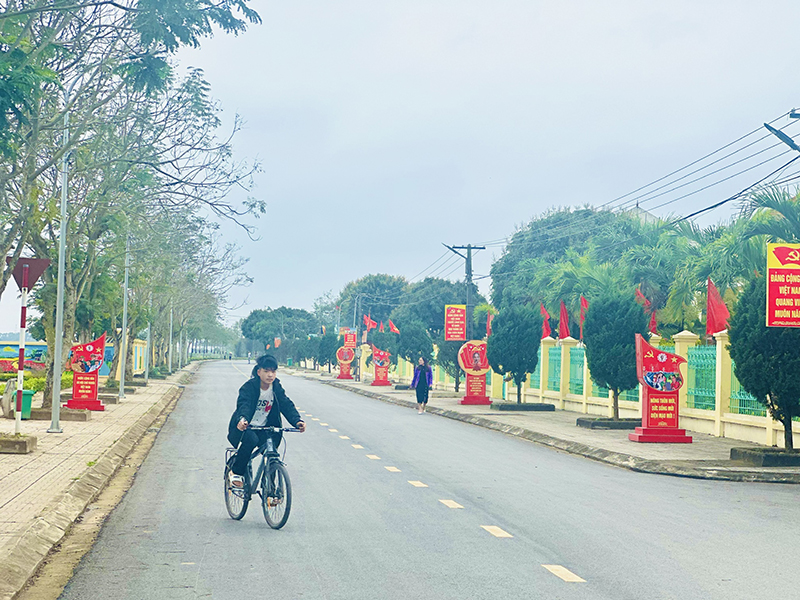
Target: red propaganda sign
(472,359)
(381,362)
(350,339)
(345,355)
(783,285)
(455,322)
(660,375)
(85,363)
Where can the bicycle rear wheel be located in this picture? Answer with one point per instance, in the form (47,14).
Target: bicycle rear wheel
(236,499)
(276,496)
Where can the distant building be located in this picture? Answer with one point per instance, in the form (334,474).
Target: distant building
(642,215)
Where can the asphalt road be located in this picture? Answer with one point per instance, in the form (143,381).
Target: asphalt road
(361,531)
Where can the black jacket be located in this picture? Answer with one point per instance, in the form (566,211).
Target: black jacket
(248,399)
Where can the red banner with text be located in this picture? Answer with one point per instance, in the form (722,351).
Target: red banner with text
(783,285)
(455,322)
(85,364)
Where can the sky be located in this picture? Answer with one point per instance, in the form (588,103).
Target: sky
(386,128)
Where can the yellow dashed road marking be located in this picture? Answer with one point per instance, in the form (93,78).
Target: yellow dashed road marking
(417,484)
(310,415)
(344,437)
(324,424)
(315,419)
(358,446)
(451,504)
(187,563)
(496,531)
(564,573)
(393,469)
(373,457)
(333,430)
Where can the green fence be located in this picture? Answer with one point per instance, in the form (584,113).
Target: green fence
(702,377)
(536,377)
(630,395)
(554,369)
(576,358)
(743,403)
(599,391)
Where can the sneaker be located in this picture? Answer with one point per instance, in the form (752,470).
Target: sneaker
(236,481)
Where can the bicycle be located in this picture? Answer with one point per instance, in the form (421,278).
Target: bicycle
(270,482)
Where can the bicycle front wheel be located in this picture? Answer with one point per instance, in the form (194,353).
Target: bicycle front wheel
(236,499)
(276,496)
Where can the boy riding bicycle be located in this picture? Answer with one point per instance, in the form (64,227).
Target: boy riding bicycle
(261,402)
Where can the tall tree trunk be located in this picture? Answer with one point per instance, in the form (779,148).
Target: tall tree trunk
(788,440)
(616,404)
(519,392)
(458,379)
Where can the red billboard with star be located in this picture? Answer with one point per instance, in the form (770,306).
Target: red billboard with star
(85,363)
(783,285)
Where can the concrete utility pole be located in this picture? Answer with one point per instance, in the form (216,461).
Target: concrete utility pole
(468,258)
(124,343)
(170,341)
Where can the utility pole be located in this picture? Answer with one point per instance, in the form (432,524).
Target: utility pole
(124,342)
(468,258)
(170,341)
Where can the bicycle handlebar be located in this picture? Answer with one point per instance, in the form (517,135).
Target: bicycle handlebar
(272,429)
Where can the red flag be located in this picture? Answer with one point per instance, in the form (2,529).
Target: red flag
(641,298)
(563,322)
(381,328)
(653,323)
(393,328)
(369,323)
(717,314)
(584,308)
(787,255)
(656,368)
(489,317)
(546,322)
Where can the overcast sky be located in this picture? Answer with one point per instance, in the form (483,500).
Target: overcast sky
(388,127)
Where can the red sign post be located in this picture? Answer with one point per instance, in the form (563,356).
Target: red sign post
(345,356)
(472,359)
(660,375)
(380,360)
(455,322)
(26,273)
(86,362)
(783,285)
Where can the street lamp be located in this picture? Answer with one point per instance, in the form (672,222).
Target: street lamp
(55,415)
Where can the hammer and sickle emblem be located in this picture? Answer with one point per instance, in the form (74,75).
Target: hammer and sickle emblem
(794,256)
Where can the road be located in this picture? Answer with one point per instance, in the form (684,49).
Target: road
(428,527)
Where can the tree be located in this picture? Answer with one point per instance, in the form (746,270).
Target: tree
(414,342)
(447,358)
(766,359)
(513,347)
(375,295)
(609,332)
(326,349)
(384,341)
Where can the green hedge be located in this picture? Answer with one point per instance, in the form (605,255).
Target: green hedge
(37,383)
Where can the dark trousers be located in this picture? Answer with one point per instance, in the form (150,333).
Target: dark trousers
(422,395)
(249,439)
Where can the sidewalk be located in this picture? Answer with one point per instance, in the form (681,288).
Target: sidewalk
(707,457)
(43,493)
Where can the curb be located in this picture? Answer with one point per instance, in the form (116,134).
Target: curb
(53,524)
(617,459)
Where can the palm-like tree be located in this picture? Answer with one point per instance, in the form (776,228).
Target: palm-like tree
(774,213)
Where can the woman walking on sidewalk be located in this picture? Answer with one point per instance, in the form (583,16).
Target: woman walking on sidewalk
(422,382)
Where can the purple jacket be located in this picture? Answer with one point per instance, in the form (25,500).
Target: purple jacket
(429,376)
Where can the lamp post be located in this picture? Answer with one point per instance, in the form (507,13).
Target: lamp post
(124,343)
(55,415)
